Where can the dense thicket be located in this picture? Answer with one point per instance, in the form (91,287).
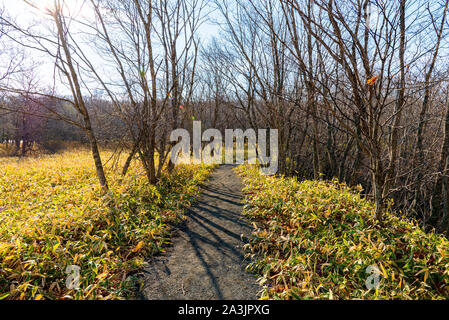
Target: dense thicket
(27,125)
(317,240)
(358,89)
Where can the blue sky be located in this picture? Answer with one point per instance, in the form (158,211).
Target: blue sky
(24,15)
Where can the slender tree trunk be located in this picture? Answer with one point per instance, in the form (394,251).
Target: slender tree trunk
(378,183)
(175,96)
(440,198)
(97,158)
(422,117)
(130,159)
(391,172)
(151,158)
(72,77)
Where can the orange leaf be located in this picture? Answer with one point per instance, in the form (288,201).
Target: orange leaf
(138,247)
(373,80)
(103,275)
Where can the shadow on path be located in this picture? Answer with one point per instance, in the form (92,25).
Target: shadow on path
(206,260)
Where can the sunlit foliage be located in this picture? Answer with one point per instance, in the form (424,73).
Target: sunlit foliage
(316,239)
(53,215)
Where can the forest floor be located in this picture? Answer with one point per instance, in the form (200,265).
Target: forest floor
(206,259)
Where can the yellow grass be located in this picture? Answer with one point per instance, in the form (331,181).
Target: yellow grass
(52,215)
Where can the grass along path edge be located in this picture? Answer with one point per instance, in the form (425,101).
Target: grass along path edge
(316,239)
(52,216)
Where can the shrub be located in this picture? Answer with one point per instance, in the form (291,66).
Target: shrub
(316,240)
(52,216)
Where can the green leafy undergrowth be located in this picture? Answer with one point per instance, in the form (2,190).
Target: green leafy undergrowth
(53,216)
(318,240)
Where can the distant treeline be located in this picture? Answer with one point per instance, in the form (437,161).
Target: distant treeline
(32,122)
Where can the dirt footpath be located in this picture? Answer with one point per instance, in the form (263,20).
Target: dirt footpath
(206,260)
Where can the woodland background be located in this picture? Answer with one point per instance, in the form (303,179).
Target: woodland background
(357,88)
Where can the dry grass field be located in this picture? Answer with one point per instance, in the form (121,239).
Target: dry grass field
(53,215)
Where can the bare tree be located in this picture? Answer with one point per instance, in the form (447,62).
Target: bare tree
(158,83)
(59,45)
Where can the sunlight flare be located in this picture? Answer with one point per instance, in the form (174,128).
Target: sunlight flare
(70,8)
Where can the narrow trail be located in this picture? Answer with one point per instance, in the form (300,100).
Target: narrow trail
(206,259)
